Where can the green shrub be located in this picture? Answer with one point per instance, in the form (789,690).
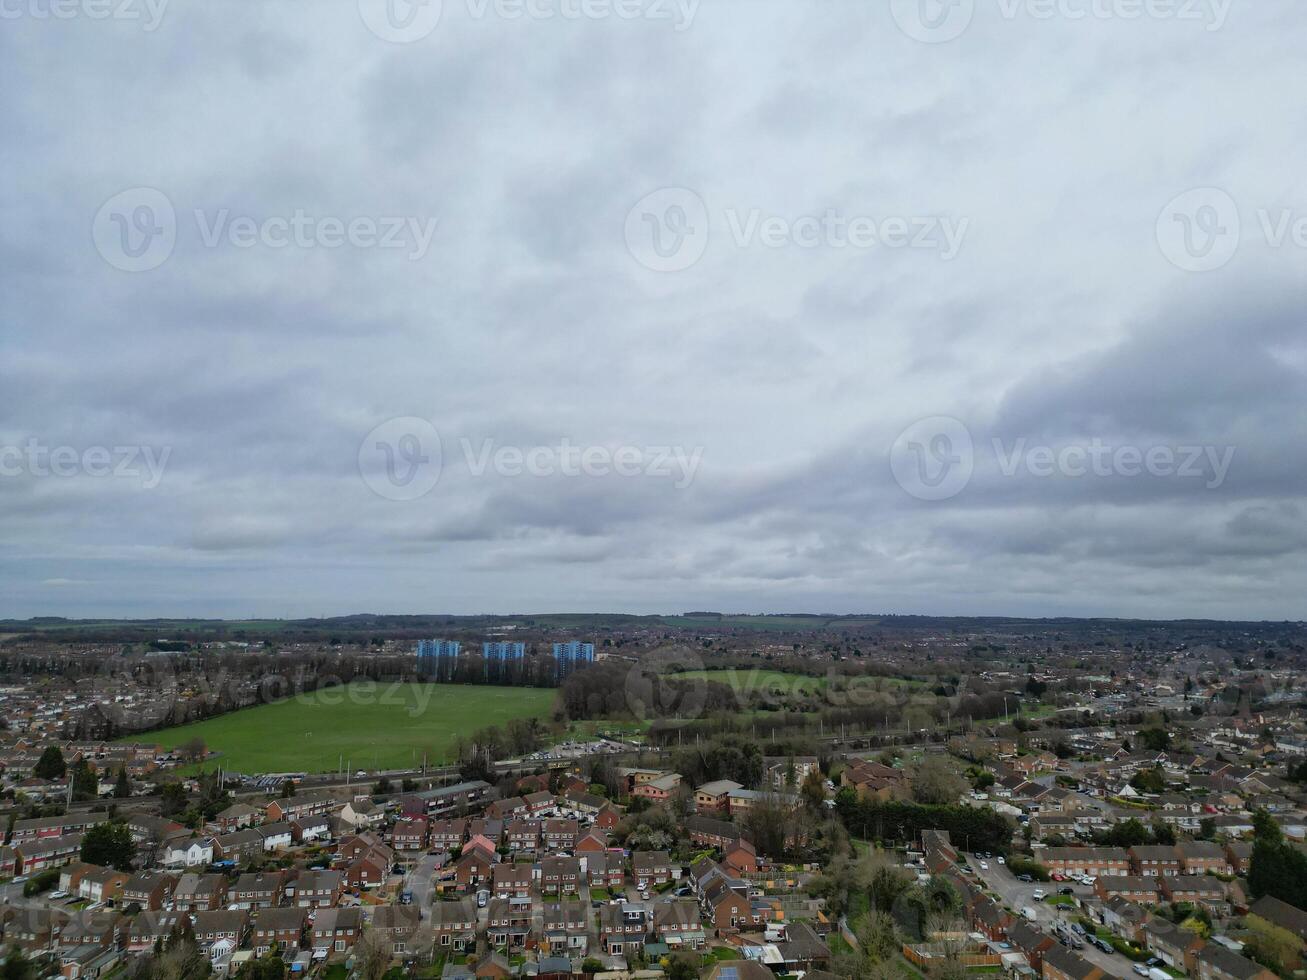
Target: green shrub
(1026,866)
(41,882)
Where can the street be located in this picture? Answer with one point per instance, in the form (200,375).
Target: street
(1017,895)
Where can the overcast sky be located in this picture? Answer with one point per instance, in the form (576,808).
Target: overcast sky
(323,307)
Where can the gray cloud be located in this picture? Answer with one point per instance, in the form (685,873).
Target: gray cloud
(527,322)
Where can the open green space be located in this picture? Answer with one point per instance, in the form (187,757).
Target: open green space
(743,680)
(362,726)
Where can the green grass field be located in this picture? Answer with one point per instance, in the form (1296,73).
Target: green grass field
(755,678)
(386,726)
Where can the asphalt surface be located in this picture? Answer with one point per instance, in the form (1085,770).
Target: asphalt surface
(1017,895)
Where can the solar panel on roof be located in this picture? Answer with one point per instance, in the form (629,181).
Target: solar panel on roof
(728,973)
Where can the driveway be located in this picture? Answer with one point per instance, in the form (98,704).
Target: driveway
(1017,895)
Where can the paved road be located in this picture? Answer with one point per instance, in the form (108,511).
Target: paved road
(418,881)
(1020,894)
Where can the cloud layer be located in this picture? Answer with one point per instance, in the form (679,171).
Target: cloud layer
(806,316)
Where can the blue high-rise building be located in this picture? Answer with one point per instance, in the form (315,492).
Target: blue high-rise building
(573,655)
(436,658)
(503,650)
(501,654)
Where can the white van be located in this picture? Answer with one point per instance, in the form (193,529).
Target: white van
(1029,914)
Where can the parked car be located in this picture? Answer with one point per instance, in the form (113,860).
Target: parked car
(1029,914)
(1024,878)
(984,865)
(1140,969)
(1000,859)
(1038,894)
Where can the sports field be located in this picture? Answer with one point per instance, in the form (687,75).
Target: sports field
(365,725)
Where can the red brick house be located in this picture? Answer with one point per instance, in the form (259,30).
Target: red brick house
(336,930)
(279,929)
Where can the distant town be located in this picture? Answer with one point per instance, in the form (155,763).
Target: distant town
(699,796)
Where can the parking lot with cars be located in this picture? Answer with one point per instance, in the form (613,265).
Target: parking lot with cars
(1031,897)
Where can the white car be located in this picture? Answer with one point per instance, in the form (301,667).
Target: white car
(1000,859)
(984,865)
(1038,895)
(1088,880)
